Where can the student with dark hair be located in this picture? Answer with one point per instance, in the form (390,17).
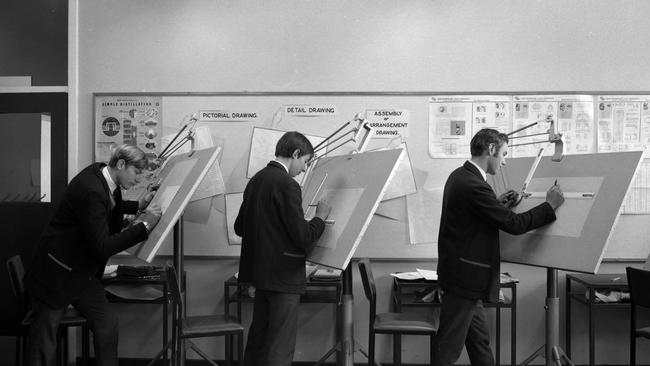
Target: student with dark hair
(275,240)
(85,231)
(468,247)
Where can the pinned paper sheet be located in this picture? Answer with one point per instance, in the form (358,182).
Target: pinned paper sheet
(402,183)
(233,203)
(262,149)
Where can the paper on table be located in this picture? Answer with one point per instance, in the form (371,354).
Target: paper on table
(407,275)
(428,274)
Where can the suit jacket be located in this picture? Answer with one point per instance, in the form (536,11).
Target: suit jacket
(85,230)
(468,240)
(275,234)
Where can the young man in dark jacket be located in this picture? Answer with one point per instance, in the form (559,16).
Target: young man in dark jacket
(468,248)
(275,239)
(85,231)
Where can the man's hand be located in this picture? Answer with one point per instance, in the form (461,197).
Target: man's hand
(146,199)
(323,209)
(509,199)
(554,196)
(150,216)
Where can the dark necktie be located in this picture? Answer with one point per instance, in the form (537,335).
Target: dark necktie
(117,195)
(116,215)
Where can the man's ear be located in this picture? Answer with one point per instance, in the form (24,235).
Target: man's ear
(296,154)
(491,149)
(120,164)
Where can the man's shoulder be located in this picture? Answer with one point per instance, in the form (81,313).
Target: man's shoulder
(90,178)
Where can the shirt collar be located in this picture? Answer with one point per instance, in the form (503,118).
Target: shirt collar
(111,184)
(483,174)
(284,166)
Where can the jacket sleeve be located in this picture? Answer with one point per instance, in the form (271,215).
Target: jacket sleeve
(303,233)
(486,206)
(93,220)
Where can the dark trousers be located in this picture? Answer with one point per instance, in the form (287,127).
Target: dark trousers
(462,322)
(272,335)
(93,305)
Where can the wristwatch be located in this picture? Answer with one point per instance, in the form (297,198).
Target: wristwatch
(146,225)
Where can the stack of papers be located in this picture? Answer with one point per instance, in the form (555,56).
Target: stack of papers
(419,274)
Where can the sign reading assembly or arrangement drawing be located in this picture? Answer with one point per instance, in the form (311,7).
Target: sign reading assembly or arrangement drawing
(388,123)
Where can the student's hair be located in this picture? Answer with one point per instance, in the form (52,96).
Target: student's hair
(291,141)
(132,155)
(481,141)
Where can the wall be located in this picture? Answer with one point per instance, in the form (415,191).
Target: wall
(33,41)
(444,46)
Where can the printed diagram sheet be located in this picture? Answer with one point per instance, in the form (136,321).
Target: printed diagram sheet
(453,120)
(624,125)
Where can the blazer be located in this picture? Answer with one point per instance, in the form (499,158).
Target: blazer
(85,230)
(468,240)
(275,235)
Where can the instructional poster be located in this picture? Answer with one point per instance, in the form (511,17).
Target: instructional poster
(135,120)
(624,125)
(453,120)
(571,115)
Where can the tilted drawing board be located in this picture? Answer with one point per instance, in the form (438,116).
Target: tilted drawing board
(594,187)
(353,185)
(180,177)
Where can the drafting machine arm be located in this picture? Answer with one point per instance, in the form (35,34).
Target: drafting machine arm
(360,131)
(174,145)
(553,137)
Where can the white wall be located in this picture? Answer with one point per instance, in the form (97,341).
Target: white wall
(292,45)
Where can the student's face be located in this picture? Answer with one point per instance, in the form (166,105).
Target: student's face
(298,163)
(128,175)
(497,157)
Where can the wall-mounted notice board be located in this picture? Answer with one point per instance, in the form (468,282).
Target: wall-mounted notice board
(433,127)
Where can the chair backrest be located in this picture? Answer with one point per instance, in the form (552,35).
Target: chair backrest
(368,283)
(638,281)
(175,289)
(16,275)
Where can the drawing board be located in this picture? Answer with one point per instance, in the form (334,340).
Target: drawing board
(180,178)
(594,186)
(353,185)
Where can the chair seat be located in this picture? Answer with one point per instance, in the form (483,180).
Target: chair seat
(643,332)
(71,318)
(403,323)
(209,325)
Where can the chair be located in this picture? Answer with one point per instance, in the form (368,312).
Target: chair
(390,323)
(638,281)
(189,327)
(70,319)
